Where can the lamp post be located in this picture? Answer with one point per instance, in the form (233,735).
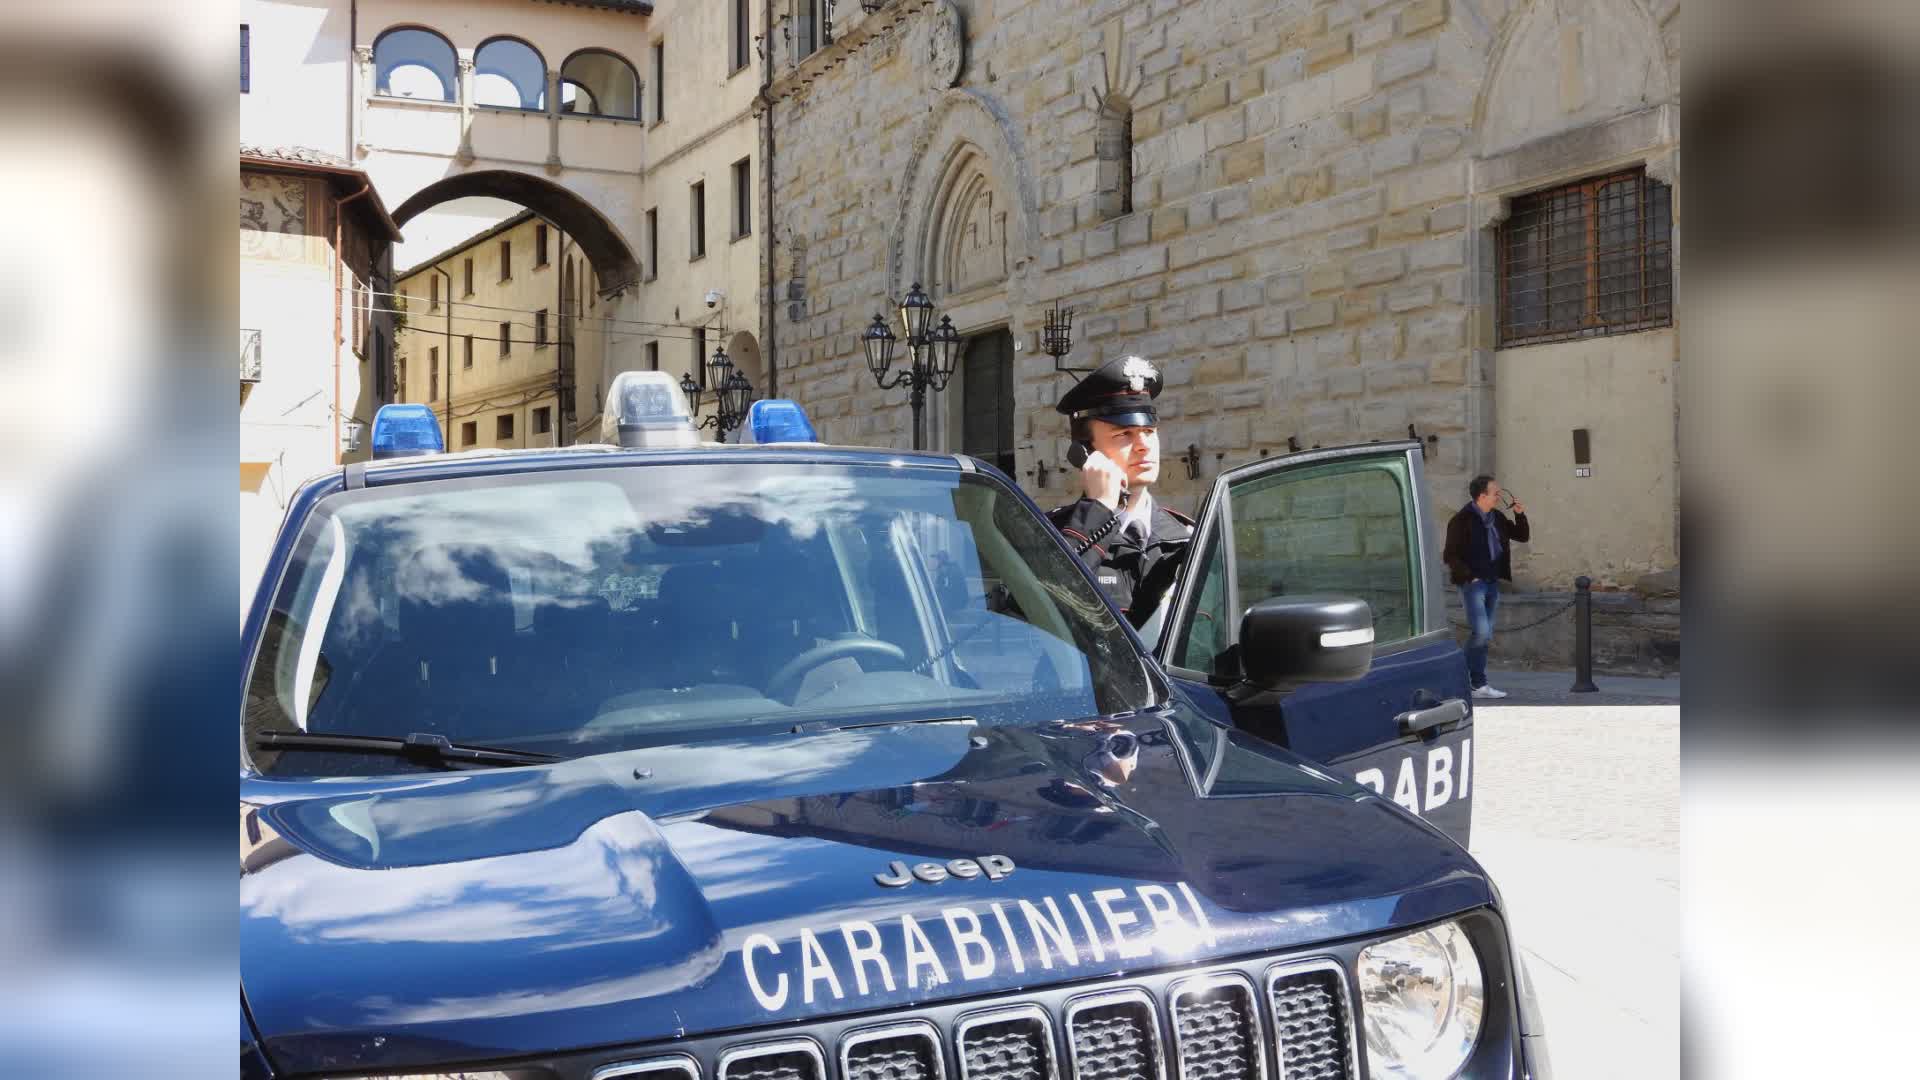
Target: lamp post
(933,354)
(732,393)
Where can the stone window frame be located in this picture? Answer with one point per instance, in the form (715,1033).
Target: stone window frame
(739,36)
(1113,157)
(593,95)
(1647,138)
(526,48)
(696,221)
(1545,223)
(653,243)
(450,78)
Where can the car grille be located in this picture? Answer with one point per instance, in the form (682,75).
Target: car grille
(1310,1025)
(1295,1023)
(1011,1044)
(1216,1030)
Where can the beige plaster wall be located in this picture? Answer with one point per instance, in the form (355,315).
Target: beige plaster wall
(285,247)
(299,75)
(1619,523)
(708,125)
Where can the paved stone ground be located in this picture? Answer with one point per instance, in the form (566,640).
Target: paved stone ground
(1577,816)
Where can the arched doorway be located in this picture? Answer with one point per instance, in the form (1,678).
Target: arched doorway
(744,351)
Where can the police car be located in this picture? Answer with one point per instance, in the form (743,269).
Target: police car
(780,761)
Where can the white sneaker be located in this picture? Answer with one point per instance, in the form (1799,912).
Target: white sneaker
(1488,692)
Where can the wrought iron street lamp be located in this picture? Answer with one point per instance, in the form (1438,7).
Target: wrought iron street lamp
(933,354)
(732,393)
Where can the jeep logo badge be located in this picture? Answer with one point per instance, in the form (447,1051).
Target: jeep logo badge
(897,874)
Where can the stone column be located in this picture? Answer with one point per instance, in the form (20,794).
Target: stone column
(363,88)
(466,110)
(553,122)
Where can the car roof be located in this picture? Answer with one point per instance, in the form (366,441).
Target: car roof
(490,462)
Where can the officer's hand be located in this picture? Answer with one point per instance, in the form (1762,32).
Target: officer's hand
(1103,480)
(1519,507)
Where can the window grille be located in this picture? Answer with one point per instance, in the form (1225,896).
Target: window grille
(1587,259)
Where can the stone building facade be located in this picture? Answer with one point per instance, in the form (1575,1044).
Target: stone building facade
(505,335)
(1296,209)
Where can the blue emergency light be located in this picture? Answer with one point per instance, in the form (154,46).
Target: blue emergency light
(778,420)
(406,431)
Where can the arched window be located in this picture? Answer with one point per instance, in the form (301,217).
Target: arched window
(1113,154)
(413,63)
(509,74)
(594,82)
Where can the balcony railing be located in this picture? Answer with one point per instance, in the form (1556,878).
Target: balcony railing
(249,356)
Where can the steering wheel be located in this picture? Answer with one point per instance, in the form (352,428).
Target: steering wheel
(786,681)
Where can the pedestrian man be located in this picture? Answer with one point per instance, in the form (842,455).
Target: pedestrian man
(1134,546)
(1479,553)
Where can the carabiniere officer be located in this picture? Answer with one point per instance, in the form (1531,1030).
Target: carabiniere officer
(1134,546)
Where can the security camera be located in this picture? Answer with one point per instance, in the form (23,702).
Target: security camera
(714,296)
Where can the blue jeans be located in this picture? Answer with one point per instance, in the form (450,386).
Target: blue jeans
(1480,599)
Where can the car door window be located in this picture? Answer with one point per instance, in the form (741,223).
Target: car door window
(1206,636)
(1345,528)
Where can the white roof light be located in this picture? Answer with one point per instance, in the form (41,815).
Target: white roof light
(647,408)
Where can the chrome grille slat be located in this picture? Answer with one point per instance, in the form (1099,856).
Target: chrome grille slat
(787,1059)
(1114,1036)
(1007,1044)
(908,1051)
(1313,1023)
(1217,1029)
(672,1067)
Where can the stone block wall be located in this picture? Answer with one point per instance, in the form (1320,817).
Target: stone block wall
(1302,256)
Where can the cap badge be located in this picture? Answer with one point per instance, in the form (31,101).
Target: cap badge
(1137,371)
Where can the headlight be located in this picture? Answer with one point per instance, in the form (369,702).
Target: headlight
(1422,999)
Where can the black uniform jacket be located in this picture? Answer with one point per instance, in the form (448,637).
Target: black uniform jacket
(1137,578)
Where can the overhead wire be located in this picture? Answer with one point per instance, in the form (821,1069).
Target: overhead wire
(527,311)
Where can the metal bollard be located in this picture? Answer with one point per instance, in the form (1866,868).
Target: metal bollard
(1583,637)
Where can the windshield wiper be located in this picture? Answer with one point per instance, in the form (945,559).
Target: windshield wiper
(418,746)
(810,727)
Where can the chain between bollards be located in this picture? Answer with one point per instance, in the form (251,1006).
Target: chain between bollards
(1583,637)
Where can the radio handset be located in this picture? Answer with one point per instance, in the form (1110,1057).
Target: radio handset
(1077,456)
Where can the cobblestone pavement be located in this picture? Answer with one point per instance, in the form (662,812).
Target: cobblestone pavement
(1577,816)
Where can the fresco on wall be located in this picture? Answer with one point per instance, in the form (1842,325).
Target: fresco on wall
(273,217)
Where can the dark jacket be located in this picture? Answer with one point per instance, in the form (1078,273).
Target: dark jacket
(1137,578)
(1466,550)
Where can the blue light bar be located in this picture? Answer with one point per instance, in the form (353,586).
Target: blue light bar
(405,431)
(778,420)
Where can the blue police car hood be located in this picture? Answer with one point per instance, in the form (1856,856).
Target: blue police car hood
(474,916)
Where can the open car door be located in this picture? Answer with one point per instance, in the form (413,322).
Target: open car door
(1353,521)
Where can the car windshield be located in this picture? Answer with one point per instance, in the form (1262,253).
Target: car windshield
(608,608)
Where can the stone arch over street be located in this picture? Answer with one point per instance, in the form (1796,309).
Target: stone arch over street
(606,249)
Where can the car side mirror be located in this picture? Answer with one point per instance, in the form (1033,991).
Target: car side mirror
(1286,640)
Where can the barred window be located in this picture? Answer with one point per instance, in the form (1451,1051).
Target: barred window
(1587,259)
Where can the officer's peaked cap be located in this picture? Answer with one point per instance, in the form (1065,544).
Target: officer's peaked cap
(1118,391)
